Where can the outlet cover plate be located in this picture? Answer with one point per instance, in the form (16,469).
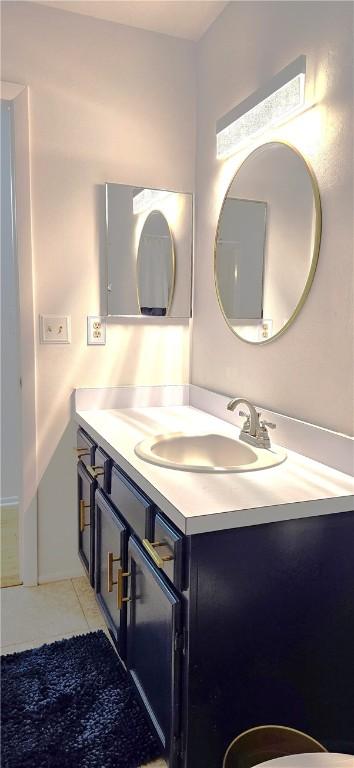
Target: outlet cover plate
(55,329)
(96,330)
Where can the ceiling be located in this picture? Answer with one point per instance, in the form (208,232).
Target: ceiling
(181,18)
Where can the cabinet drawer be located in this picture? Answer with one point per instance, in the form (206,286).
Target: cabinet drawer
(102,469)
(135,507)
(85,448)
(166,550)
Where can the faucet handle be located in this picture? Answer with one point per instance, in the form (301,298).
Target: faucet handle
(268,424)
(244,415)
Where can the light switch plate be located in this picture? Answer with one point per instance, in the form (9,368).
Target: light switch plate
(96,330)
(55,329)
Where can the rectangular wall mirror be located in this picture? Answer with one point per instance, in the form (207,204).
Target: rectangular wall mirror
(149,240)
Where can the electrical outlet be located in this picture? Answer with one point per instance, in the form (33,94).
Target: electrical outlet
(96,330)
(55,329)
(265,329)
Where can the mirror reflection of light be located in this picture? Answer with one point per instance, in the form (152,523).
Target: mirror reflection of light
(173,207)
(147,198)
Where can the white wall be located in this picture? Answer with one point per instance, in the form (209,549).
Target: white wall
(107,103)
(306,373)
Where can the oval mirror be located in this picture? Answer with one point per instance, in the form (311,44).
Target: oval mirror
(267,242)
(155,266)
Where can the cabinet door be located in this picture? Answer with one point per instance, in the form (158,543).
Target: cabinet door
(111,560)
(153,646)
(86,519)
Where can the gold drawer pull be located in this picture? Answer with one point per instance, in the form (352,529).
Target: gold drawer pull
(95,471)
(120,599)
(110,561)
(81,452)
(83,506)
(150,547)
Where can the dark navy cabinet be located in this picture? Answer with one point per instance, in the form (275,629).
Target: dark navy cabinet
(131,502)
(228,630)
(86,519)
(86,447)
(166,550)
(154,646)
(102,469)
(111,563)
(271,634)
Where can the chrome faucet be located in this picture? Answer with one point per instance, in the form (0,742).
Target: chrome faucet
(253,431)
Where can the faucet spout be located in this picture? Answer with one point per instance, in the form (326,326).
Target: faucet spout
(253,431)
(252,411)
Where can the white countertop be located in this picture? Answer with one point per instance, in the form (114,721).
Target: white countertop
(202,502)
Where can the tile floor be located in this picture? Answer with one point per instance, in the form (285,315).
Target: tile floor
(31,616)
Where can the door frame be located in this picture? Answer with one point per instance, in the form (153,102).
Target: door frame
(18,98)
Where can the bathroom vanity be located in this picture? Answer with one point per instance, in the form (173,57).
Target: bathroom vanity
(230,598)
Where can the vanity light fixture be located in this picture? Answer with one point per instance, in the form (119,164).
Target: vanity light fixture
(144,199)
(270,105)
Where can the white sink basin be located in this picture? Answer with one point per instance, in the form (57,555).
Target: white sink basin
(206,453)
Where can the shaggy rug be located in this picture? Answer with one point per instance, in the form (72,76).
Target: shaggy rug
(71,704)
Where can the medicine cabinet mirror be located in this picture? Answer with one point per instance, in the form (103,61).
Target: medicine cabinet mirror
(149,251)
(267,242)
(155,266)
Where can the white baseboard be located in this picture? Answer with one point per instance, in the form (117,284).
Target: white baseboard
(9,501)
(45,578)
(29,544)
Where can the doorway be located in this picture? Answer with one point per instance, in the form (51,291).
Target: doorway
(10,367)
(18,461)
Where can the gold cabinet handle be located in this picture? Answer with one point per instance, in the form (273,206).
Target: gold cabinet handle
(95,471)
(151,547)
(83,506)
(120,599)
(81,452)
(110,561)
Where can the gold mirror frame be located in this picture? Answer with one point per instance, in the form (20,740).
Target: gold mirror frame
(170,298)
(316,243)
